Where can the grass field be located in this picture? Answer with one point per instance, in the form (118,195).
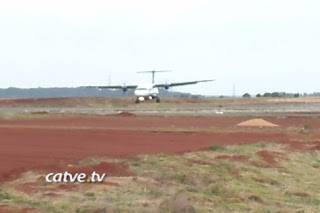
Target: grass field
(259,177)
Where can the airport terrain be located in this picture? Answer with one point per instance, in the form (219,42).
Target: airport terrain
(182,155)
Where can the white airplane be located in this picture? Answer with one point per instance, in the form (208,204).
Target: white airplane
(145,92)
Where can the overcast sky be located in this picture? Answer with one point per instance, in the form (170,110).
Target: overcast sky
(260,46)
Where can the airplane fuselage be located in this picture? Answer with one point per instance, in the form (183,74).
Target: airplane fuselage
(146,92)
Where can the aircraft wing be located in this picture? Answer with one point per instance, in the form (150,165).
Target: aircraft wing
(180,83)
(114,87)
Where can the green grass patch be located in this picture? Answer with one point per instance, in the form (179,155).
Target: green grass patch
(5,196)
(217,148)
(220,184)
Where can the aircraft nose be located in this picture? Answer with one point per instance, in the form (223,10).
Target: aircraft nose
(138,93)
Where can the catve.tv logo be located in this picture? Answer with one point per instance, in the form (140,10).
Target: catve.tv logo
(67,177)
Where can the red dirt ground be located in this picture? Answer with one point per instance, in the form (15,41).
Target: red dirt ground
(23,149)
(164,122)
(269,157)
(241,158)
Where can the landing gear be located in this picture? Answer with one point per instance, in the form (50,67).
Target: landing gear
(142,99)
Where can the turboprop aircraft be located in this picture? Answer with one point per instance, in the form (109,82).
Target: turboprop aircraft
(145,92)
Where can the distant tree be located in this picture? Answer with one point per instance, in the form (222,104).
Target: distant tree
(258,95)
(275,94)
(267,94)
(195,96)
(296,95)
(246,95)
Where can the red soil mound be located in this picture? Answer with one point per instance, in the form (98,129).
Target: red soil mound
(269,157)
(316,147)
(4,209)
(125,114)
(257,122)
(28,188)
(40,113)
(241,158)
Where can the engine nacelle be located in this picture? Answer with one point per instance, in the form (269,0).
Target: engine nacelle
(166,87)
(124,89)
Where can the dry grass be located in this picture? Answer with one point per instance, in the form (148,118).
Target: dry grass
(194,182)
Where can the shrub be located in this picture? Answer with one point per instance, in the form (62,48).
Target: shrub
(217,147)
(246,95)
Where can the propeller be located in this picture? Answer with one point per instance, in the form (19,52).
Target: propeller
(124,87)
(167,85)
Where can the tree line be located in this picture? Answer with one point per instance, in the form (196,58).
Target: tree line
(273,95)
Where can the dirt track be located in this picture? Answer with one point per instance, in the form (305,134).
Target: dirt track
(169,106)
(52,144)
(25,149)
(172,122)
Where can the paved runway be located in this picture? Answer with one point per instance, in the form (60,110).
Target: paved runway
(306,108)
